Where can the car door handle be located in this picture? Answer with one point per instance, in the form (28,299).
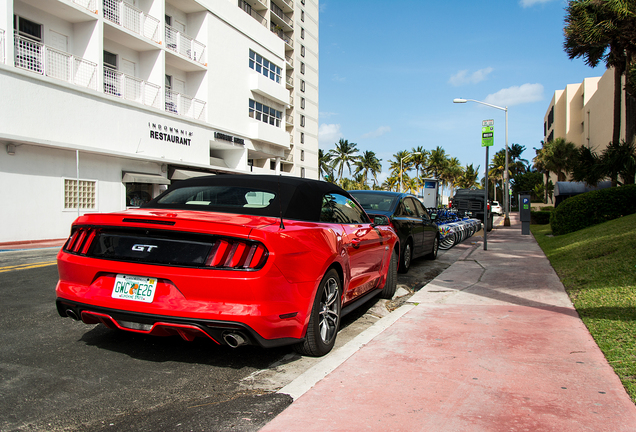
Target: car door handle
(355,243)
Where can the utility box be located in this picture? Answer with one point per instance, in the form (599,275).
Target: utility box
(524,212)
(430,197)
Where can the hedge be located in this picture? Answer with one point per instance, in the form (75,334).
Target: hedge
(592,208)
(540,217)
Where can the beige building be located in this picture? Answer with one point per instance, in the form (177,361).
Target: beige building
(583,113)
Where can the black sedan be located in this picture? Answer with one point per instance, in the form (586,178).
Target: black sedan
(419,235)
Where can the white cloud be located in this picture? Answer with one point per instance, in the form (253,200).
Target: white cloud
(516,95)
(329,134)
(326,114)
(338,78)
(378,132)
(530,3)
(462,77)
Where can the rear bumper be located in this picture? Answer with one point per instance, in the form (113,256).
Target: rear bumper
(158,325)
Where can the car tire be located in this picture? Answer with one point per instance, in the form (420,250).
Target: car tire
(433,254)
(406,258)
(324,321)
(391,278)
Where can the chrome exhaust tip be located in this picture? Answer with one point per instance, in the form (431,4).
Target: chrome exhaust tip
(71,313)
(234,340)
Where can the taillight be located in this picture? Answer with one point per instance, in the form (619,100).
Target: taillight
(80,240)
(236,254)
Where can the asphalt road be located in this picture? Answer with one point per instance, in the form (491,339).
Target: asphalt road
(57,374)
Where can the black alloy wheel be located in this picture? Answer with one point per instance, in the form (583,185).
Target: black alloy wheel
(433,254)
(407,256)
(324,321)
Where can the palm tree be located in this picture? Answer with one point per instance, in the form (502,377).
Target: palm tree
(468,179)
(437,161)
(543,165)
(604,31)
(619,159)
(419,158)
(324,165)
(345,153)
(561,156)
(451,173)
(497,168)
(368,162)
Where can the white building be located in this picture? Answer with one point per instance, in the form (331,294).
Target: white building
(106,102)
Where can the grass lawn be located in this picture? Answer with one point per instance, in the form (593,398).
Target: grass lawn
(597,266)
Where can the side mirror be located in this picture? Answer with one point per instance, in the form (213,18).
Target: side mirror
(380,220)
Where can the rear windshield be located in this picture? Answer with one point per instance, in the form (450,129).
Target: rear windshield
(375,201)
(209,197)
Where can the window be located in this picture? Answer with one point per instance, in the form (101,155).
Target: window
(302,155)
(302,137)
(168,20)
(302,172)
(421,210)
(302,86)
(302,33)
(110,60)
(28,28)
(168,82)
(302,68)
(265,67)
(302,1)
(302,50)
(302,120)
(337,208)
(83,198)
(138,194)
(265,114)
(272,165)
(302,102)
(302,16)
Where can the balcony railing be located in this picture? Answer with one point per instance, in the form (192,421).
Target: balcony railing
(289,80)
(91,5)
(131,18)
(131,88)
(186,46)
(2,50)
(280,14)
(282,35)
(289,3)
(180,104)
(289,120)
(289,60)
(39,58)
(248,9)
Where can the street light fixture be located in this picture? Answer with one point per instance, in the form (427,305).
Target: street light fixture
(506,179)
(401,162)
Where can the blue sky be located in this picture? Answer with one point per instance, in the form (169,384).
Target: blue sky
(389,71)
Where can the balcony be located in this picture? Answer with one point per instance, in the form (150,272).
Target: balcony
(289,80)
(133,19)
(283,19)
(39,58)
(131,88)
(289,120)
(180,104)
(248,9)
(289,60)
(289,4)
(288,41)
(184,45)
(90,5)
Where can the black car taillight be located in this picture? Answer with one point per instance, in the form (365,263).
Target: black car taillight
(236,254)
(80,240)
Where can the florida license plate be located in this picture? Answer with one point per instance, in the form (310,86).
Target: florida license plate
(135,288)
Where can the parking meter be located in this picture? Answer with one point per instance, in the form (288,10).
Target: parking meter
(524,212)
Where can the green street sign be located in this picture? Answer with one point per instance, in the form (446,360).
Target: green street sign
(487,133)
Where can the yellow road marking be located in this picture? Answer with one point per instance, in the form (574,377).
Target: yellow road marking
(27,266)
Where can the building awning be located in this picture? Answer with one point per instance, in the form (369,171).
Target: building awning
(144,178)
(180,174)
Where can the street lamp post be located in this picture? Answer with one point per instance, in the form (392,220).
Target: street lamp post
(506,196)
(401,163)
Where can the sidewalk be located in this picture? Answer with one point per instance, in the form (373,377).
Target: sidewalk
(492,344)
(33,244)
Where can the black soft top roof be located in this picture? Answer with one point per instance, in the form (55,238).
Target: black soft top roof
(295,198)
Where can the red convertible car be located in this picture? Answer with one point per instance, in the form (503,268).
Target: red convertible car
(240,259)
